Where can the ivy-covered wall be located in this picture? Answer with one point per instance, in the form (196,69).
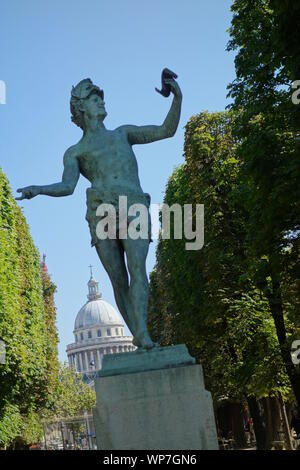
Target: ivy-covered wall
(27,326)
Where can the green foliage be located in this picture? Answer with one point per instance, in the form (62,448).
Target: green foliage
(286,36)
(19,428)
(10,424)
(52,363)
(205,298)
(163,320)
(267,128)
(26,326)
(74,396)
(244,167)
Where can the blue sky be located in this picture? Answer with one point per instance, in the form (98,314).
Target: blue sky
(122,45)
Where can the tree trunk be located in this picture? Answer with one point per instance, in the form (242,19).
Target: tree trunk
(238,425)
(259,424)
(287,431)
(231,419)
(224,419)
(275,303)
(275,416)
(272,418)
(268,420)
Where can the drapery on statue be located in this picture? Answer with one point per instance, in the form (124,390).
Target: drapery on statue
(105,157)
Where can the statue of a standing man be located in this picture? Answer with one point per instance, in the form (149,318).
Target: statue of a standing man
(105,157)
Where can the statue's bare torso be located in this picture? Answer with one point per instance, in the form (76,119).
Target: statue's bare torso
(107,160)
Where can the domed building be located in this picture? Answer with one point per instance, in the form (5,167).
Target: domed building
(98,330)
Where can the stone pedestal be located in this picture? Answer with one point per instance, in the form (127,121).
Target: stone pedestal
(153,400)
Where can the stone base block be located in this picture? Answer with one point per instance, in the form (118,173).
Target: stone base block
(162,409)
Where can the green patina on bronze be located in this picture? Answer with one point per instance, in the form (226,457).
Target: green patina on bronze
(106,158)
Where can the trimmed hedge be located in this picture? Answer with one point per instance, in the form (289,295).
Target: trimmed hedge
(26,327)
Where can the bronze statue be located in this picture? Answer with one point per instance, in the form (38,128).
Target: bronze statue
(106,158)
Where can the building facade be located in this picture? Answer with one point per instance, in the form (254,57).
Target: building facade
(98,330)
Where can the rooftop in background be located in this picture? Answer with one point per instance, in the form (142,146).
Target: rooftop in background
(98,330)
(96,312)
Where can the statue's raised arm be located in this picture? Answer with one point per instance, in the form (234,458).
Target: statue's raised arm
(147,134)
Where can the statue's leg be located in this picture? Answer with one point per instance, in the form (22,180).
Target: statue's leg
(136,253)
(111,254)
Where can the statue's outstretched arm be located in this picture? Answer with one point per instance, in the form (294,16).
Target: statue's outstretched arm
(64,188)
(147,134)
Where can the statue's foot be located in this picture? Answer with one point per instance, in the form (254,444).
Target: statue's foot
(144,341)
(136,342)
(143,344)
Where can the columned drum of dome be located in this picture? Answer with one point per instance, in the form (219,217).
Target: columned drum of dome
(98,330)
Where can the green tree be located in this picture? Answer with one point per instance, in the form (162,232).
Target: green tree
(52,362)
(27,379)
(286,36)
(267,127)
(205,298)
(74,396)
